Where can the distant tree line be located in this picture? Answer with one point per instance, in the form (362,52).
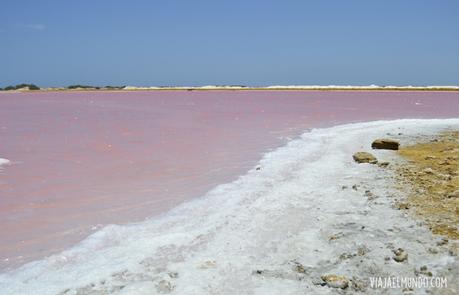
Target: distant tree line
(93,87)
(77,86)
(21,86)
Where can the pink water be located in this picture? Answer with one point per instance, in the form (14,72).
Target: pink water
(81,160)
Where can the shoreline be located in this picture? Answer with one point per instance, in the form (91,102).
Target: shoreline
(216,137)
(283,227)
(230,88)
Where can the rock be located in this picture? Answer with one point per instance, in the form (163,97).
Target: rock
(164,286)
(358,285)
(423,270)
(432,250)
(258,168)
(402,206)
(400,255)
(454,250)
(173,275)
(364,157)
(428,171)
(362,250)
(442,242)
(336,236)
(298,267)
(385,144)
(208,264)
(454,195)
(335,281)
(279,274)
(383,164)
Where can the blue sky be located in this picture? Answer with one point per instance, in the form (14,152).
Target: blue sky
(170,42)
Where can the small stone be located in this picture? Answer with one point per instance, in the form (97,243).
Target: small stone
(407,290)
(173,275)
(336,236)
(164,286)
(400,255)
(208,264)
(428,171)
(355,187)
(362,250)
(403,206)
(358,285)
(335,281)
(383,164)
(432,250)
(424,271)
(345,256)
(442,242)
(454,195)
(258,168)
(298,267)
(454,251)
(364,157)
(385,144)
(368,193)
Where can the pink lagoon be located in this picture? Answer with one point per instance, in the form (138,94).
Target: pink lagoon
(82,160)
(229,147)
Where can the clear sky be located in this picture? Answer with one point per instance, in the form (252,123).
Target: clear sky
(170,42)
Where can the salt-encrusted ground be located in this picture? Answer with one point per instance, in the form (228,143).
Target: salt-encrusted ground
(305,211)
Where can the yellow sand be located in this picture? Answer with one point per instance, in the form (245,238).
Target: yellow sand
(433,173)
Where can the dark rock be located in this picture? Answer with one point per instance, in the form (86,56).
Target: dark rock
(442,242)
(383,164)
(385,144)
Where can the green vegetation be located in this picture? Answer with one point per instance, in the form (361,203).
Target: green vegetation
(21,86)
(113,87)
(82,87)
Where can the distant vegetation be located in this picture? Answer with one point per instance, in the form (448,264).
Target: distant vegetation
(94,87)
(21,86)
(82,87)
(114,87)
(25,86)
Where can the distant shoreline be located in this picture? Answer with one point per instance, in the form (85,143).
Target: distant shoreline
(244,88)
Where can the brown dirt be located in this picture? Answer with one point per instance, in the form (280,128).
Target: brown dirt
(432,171)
